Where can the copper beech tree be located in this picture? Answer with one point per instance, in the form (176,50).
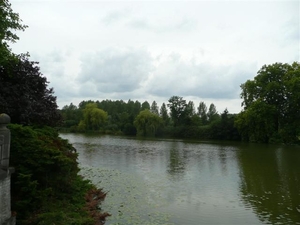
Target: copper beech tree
(24,91)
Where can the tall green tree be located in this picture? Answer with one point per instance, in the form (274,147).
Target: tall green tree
(154,108)
(177,107)
(190,109)
(147,123)
(257,123)
(272,104)
(132,111)
(145,105)
(137,107)
(164,114)
(130,107)
(190,116)
(82,104)
(93,118)
(71,115)
(9,22)
(202,112)
(224,129)
(212,113)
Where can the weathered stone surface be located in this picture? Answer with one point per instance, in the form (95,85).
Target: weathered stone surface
(5,173)
(4,118)
(5,212)
(4,141)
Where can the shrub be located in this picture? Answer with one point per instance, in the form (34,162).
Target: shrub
(46,186)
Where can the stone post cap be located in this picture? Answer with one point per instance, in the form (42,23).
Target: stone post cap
(4,118)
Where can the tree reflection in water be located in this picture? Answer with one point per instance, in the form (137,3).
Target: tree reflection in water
(177,161)
(270,182)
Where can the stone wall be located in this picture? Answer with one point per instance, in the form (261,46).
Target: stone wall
(5,208)
(6,217)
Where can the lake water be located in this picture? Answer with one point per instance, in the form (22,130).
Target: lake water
(166,181)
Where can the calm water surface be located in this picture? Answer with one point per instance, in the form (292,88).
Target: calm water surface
(191,183)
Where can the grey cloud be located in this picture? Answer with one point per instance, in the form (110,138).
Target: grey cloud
(53,67)
(186,24)
(121,73)
(160,26)
(292,29)
(200,80)
(113,17)
(114,70)
(88,90)
(140,24)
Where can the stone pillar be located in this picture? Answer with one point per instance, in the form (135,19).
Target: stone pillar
(4,141)
(5,173)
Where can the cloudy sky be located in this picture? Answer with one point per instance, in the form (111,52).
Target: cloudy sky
(152,50)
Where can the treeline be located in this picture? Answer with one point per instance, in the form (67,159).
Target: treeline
(178,118)
(271,113)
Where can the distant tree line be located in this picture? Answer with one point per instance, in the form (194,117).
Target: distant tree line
(177,118)
(271,113)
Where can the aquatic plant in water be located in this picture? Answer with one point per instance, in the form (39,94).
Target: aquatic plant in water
(129,198)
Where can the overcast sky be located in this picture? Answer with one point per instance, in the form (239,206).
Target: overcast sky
(152,50)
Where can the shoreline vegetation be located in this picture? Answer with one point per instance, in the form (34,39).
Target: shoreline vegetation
(47,180)
(270,114)
(142,119)
(93,199)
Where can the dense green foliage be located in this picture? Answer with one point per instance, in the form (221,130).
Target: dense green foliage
(46,188)
(147,123)
(9,21)
(271,105)
(178,110)
(120,116)
(93,118)
(202,112)
(134,118)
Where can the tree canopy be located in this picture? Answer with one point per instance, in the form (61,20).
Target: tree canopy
(9,22)
(164,114)
(131,118)
(93,117)
(271,105)
(202,112)
(177,107)
(154,108)
(212,113)
(147,123)
(24,92)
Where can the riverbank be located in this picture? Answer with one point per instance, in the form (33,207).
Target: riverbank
(47,180)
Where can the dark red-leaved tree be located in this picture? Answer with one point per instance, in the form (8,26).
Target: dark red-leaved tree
(24,92)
